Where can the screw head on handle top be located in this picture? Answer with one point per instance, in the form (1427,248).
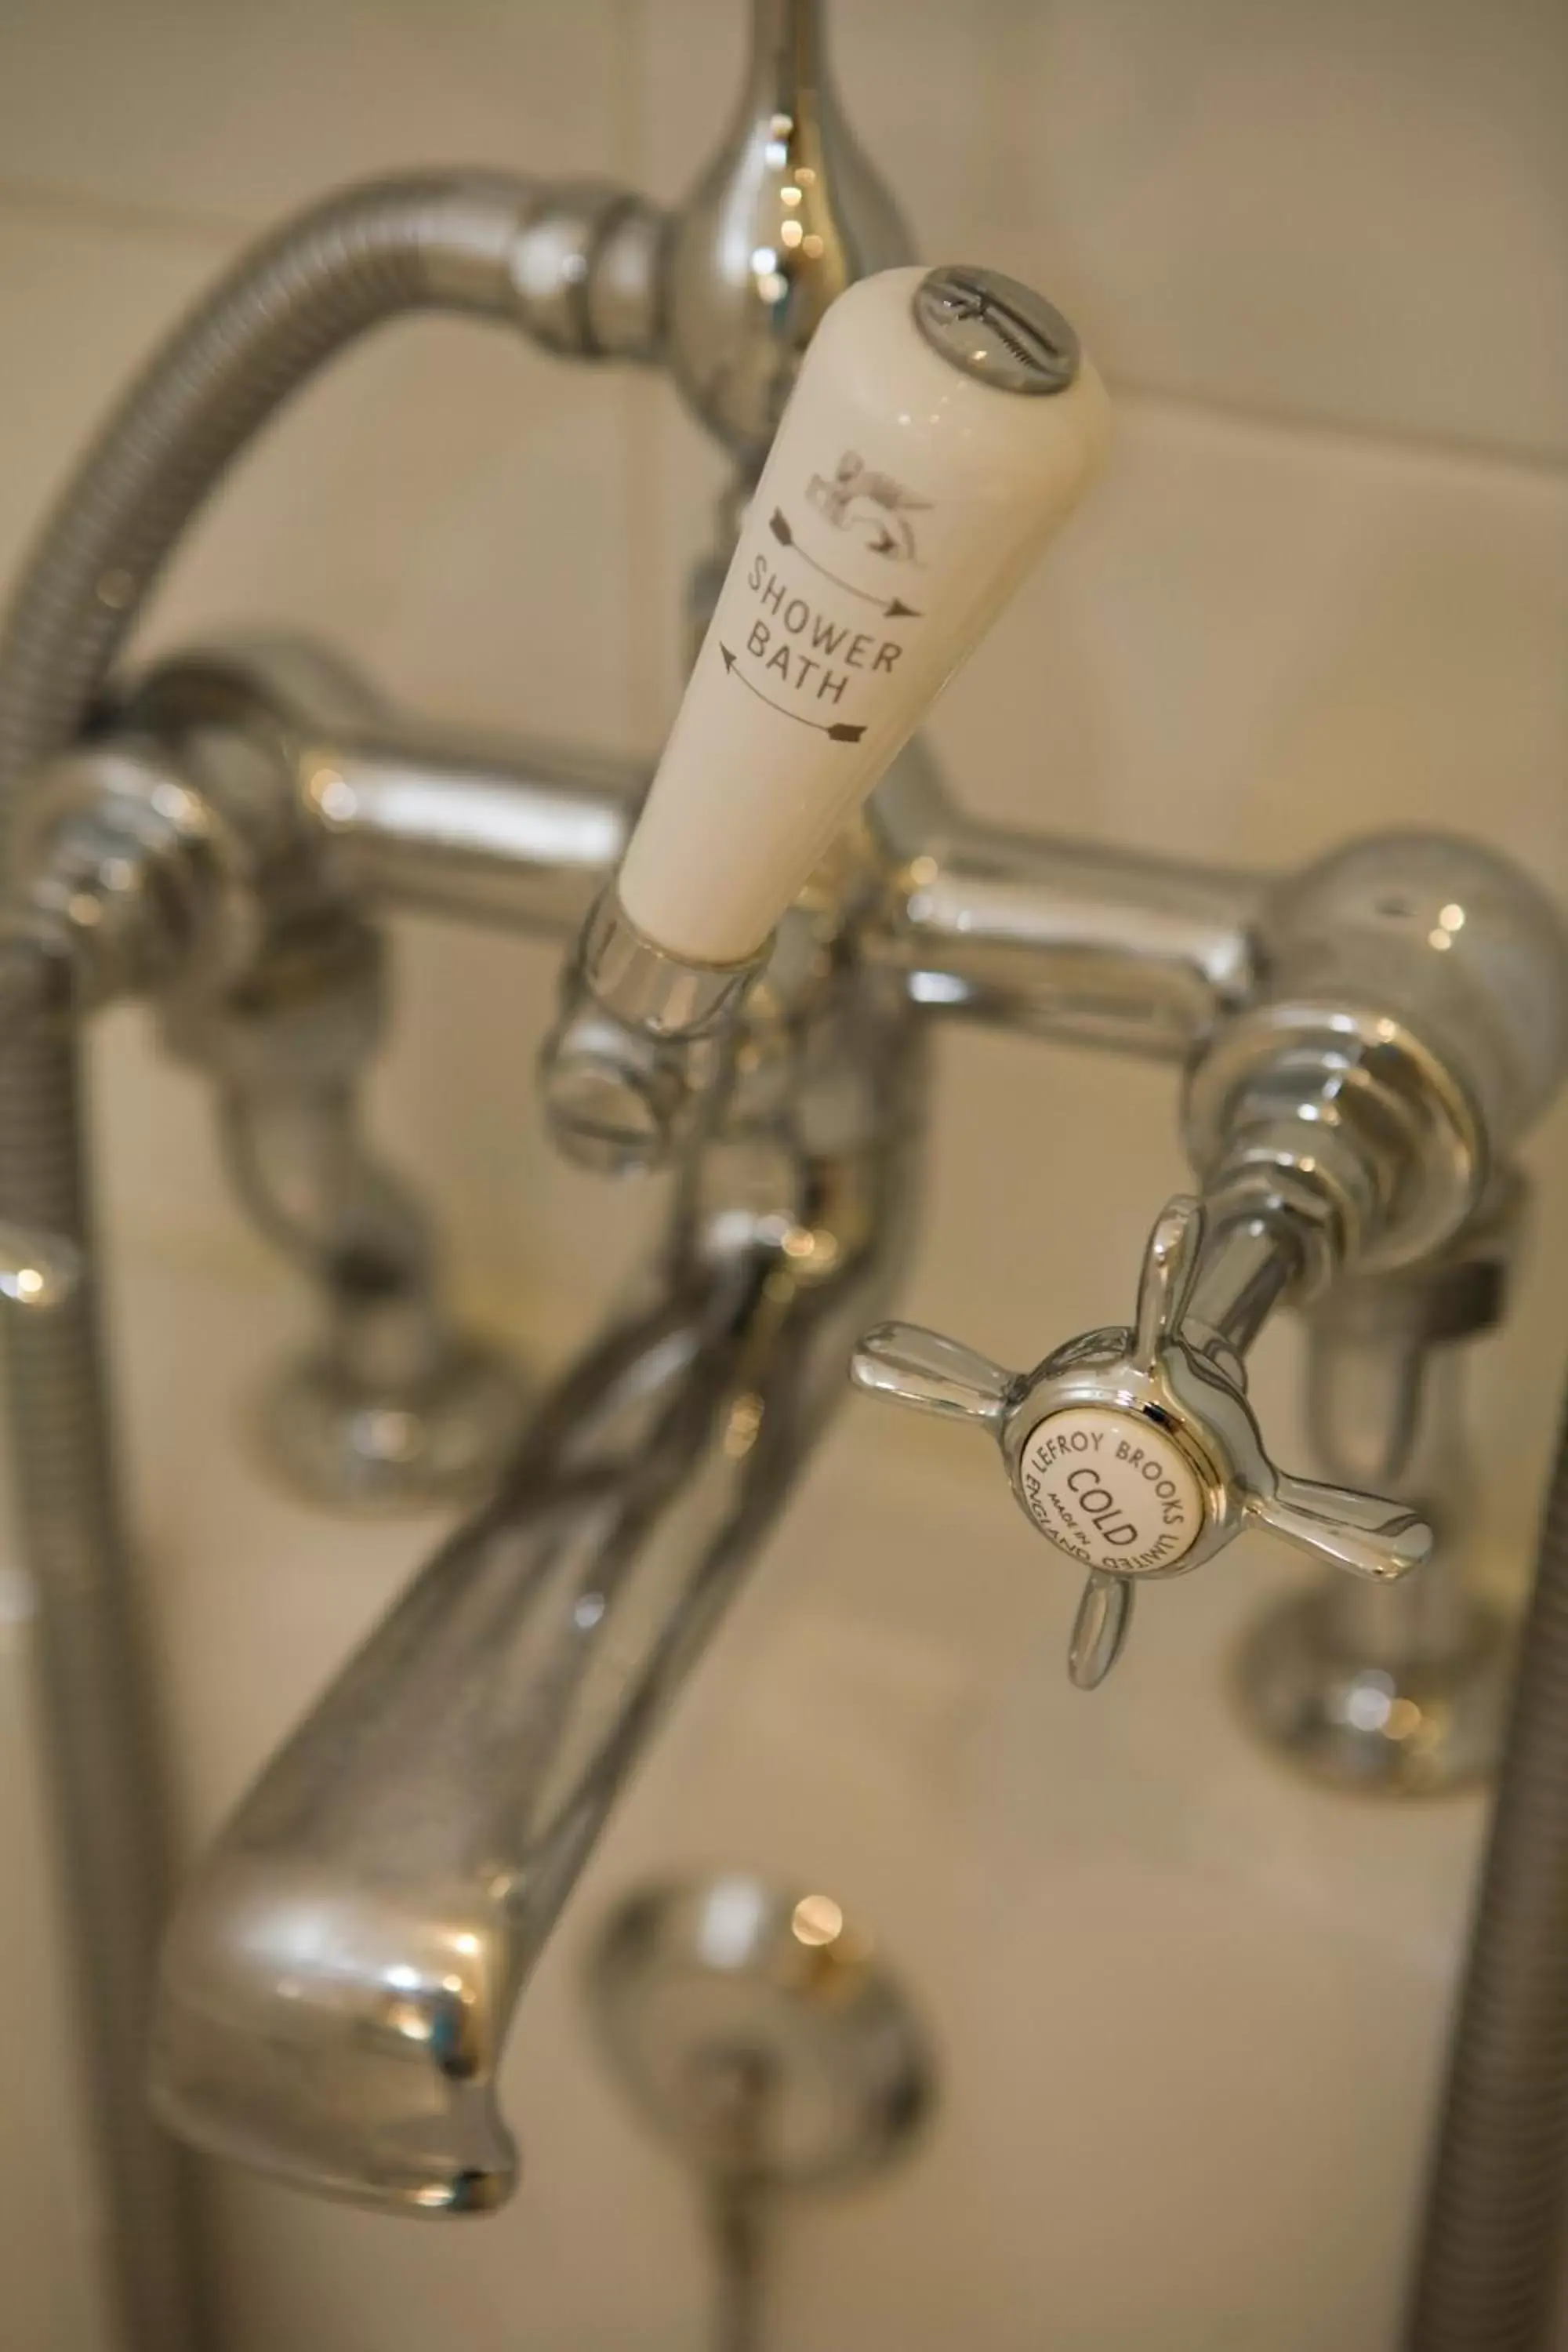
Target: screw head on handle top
(996,330)
(1135,1450)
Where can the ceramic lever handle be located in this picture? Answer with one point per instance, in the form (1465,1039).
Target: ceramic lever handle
(943,426)
(1136,1452)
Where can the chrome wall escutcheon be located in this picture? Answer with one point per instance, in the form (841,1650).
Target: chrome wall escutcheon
(769,2048)
(684,1974)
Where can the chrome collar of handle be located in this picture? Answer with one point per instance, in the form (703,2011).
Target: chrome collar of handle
(662,995)
(641,1045)
(1134,1450)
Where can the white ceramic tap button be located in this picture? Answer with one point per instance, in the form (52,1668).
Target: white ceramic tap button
(943,426)
(1111,1489)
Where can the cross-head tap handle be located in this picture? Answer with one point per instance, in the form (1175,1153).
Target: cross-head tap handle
(1135,1450)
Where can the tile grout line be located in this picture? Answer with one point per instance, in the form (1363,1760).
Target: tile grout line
(51,202)
(1385,441)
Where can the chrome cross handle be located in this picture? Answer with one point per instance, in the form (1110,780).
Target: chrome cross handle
(1135,1451)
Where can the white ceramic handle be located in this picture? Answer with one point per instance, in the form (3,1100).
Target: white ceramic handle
(916,475)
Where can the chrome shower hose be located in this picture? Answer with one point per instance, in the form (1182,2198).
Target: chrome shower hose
(433,242)
(1488,2270)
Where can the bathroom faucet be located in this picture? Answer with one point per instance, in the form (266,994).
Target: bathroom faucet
(755,945)
(337,1982)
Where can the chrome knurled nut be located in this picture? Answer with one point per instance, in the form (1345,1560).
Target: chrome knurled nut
(1355,1108)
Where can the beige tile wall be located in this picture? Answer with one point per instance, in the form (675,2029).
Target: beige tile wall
(1323,253)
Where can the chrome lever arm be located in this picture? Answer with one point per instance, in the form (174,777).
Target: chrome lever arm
(920,1368)
(1104,1620)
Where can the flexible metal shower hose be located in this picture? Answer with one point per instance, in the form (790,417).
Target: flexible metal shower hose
(432,242)
(737,2236)
(1487,2274)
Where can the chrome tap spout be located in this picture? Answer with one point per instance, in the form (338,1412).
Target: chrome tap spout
(338,1980)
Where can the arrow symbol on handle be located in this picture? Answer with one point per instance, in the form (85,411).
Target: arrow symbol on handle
(784,531)
(839,732)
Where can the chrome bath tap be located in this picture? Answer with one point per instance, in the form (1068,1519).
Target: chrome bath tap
(755,944)
(337,1981)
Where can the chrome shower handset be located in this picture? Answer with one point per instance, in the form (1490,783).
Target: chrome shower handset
(1135,1451)
(943,425)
